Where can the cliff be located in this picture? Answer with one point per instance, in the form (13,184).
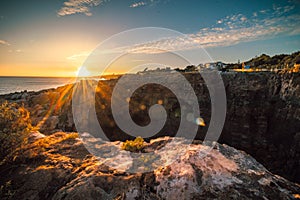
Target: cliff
(263,114)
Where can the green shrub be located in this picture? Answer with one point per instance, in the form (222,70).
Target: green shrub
(135,145)
(14,128)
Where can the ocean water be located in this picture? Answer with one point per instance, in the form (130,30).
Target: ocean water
(18,84)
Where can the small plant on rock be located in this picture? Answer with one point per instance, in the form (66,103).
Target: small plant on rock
(135,145)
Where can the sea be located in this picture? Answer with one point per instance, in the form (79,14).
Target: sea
(18,84)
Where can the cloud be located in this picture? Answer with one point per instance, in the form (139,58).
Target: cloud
(138,4)
(71,7)
(282,10)
(228,31)
(79,6)
(3,42)
(148,3)
(264,11)
(243,19)
(79,56)
(15,51)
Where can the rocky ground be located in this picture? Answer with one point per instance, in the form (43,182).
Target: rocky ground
(59,167)
(263,114)
(263,119)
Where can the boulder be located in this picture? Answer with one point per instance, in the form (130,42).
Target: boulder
(41,98)
(49,125)
(35,135)
(24,95)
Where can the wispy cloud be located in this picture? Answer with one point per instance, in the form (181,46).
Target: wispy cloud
(263,11)
(80,56)
(3,42)
(228,31)
(16,51)
(79,6)
(71,7)
(147,3)
(137,4)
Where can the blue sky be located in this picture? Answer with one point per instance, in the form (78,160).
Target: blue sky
(54,37)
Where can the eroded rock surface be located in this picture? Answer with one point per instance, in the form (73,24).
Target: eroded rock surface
(59,167)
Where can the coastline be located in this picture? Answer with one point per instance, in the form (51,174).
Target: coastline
(258,104)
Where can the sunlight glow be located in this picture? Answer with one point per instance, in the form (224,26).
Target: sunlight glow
(83,72)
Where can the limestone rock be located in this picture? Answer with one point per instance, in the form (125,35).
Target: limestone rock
(67,171)
(35,135)
(49,125)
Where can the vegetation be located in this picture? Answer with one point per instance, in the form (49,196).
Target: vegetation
(15,126)
(135,145)
(46,142)
(282,61)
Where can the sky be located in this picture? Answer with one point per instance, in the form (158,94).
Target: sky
(54,37)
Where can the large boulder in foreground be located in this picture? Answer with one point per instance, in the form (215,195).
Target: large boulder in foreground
(65,170)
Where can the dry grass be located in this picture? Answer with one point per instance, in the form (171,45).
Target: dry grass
(55,139)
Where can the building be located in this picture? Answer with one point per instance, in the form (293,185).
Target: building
(215,66)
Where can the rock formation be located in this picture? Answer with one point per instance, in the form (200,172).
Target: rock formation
(263,114)
(63,169)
